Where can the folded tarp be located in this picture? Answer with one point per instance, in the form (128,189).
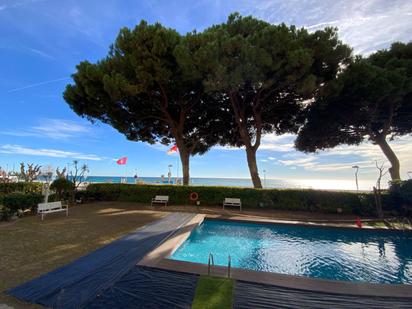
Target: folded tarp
(79,282)
(145,287)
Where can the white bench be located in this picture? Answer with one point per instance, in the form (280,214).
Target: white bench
(234,202)
(160,199)
(47,208)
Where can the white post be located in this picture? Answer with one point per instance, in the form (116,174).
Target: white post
(177,169)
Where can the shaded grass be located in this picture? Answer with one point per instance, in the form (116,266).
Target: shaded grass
(30,247)
(213,293)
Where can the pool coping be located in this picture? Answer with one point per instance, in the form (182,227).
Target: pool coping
(158,258)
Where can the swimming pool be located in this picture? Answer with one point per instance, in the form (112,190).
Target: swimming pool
(317,252)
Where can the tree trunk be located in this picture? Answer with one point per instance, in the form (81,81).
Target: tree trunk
(184,158)
(378,202)
(251,161)
(394,170)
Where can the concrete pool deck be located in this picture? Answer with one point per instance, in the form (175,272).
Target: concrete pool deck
(158,258)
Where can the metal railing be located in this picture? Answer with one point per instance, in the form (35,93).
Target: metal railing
(210,262)
(229,265)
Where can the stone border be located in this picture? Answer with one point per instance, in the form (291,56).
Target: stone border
(158,258)
(312,223)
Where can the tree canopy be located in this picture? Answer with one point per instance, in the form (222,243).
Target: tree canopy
(148,89)
(238,80)
(263,73)
(370,101)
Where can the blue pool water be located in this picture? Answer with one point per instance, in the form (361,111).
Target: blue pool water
(318,252)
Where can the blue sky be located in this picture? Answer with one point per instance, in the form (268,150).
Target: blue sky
(41,41)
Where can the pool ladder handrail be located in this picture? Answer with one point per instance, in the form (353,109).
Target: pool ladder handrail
(210,260)
(229,265)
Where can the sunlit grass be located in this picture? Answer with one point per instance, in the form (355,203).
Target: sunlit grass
(213,293)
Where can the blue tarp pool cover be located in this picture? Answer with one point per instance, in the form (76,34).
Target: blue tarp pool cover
(78,283)
(249,295)
(145,287)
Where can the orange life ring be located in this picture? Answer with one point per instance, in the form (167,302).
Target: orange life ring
(194,196)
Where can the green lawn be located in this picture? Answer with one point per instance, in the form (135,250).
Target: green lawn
(213,293)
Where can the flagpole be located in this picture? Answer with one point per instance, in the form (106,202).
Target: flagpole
(177,172)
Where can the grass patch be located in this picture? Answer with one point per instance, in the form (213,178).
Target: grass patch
(213,293)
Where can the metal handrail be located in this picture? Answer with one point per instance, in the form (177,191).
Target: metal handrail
(210,259)
(229,265)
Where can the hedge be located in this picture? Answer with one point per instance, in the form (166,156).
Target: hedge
(24,187)
(17,196)
(284,199)
(21,201)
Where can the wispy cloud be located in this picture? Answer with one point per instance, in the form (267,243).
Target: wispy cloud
(278,143)
(40,53)
(365,25)
(313,163)
(15,4)
(269,142)
(344,157)
(53,128)
(39,84)
(44,152)
(158,147)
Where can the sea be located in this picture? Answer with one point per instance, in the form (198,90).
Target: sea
(323,184)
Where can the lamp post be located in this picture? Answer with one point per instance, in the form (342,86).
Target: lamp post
(169,174)
(356,176)
(136,177)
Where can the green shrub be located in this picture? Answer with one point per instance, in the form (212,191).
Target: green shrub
(63,187)
(5,213)
(25,187)
(400,196)
(21,201)
(401,191)
(283,199)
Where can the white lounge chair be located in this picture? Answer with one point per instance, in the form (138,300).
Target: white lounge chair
(233,202)
(47,208)
(160,199)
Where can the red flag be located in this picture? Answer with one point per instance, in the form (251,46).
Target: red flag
(122,161)
(172,150)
